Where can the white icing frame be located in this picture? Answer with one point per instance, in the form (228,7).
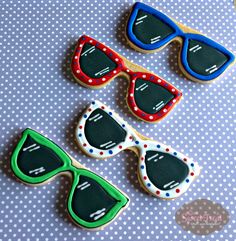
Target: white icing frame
(133,140)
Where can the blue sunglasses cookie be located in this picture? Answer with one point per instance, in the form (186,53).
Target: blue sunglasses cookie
(200,59)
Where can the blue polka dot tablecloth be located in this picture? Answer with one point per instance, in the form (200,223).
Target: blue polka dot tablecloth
(37,90)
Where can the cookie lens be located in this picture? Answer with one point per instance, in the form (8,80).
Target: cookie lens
(149,29)
(164,170)
(94,62)
(102,131)
(203,59)
(90,201)
(150,97)
(36,160)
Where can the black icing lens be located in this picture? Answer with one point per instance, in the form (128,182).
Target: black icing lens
(102,131)
(149,29)
(94,62)
(203,59)
(36,160)
(90,201)
(164,170)
(151,97)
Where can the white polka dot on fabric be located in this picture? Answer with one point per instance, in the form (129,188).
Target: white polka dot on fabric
(37,90)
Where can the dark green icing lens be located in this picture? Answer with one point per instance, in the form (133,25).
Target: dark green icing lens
(35,160)
(149,29)
(150,97)
(203,59)
(164,170)
(94,62)
(90,201)
(102,131)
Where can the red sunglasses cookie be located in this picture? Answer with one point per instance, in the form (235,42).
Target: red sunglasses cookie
(149,97)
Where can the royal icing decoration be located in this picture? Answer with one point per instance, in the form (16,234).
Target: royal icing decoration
(149,97)
(93,202)
(163,171)
(201,57)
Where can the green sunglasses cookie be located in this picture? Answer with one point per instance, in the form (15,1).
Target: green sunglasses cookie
(92,203)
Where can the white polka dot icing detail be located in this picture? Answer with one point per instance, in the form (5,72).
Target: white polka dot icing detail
(149,98)
(162,171)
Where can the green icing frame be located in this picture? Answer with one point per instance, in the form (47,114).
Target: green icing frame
(111,190)
(45,142)
(122,200)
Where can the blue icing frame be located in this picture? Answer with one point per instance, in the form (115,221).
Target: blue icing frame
(140,6)
(177,32)
(211,43)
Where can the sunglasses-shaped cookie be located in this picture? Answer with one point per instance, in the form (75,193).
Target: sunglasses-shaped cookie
(162,171)
(200,58)
(149,97)
(92,203)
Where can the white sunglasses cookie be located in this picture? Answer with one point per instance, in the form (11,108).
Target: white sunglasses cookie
(162,171)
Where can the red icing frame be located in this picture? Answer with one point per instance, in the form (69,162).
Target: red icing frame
(75,65)
(156,80)
(96,82)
